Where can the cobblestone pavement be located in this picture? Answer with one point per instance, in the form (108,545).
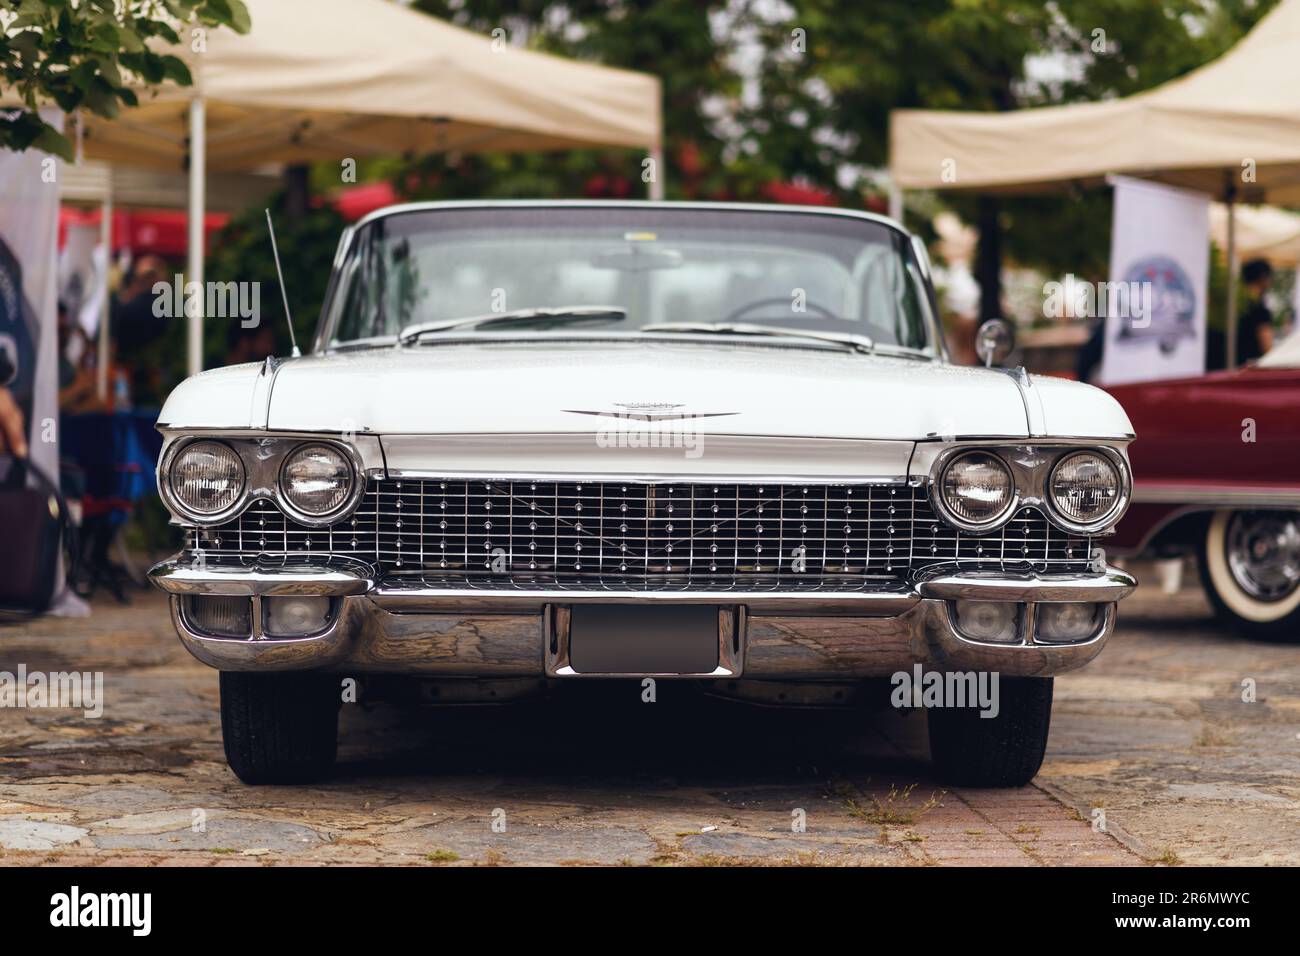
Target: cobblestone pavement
(1154,735)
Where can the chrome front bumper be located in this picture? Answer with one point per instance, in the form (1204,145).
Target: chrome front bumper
(803,636)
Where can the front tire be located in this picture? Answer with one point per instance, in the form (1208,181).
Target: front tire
(1002,751)
(279,728)
(1250,566)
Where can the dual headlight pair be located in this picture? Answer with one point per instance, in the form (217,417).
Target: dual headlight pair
(208,478)
(1085,490)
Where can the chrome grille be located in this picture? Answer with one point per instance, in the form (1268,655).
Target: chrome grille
(663,536)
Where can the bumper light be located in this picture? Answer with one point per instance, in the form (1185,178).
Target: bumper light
(295,616)
(1066,623)
(220,616)
(996,622)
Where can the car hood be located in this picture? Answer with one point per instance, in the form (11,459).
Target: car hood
(516,387)
(578,387)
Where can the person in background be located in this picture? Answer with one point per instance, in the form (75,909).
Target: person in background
(77,387)
(1087,361)
(134,323)
(12,440)
(249,345)
(137,331)
(1255,326)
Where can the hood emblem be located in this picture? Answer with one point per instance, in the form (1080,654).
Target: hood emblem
(648,411)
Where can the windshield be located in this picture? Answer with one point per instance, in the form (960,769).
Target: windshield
(641,266)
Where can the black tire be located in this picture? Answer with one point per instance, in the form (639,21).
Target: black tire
(1003,751)
(1272,617)
(280,728)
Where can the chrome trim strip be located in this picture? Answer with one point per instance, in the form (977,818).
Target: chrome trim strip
(1035,418)
(259,409)
(570,455)
(434,205)
(1113,585)
(1244,497)
(445,600)
(345,578)
(646,478)
(177,577)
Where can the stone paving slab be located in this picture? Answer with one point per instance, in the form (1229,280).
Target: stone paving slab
(1153,734)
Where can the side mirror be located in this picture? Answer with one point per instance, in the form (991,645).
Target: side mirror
(995,339)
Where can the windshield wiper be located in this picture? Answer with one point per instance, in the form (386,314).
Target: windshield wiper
(857,342)
(563,315)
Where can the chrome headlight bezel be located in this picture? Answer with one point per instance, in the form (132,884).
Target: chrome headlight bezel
(939,499)
(1122,493)
(263,456)
(331,516)
(173,500)
(1032,465)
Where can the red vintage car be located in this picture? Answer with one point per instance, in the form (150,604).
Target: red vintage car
(1216,469)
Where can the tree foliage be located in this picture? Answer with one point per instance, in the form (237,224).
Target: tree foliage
(758,92)
(864,60)
(94,55)
(677,40)
(241,252)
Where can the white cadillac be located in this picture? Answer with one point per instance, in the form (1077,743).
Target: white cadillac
(544,442)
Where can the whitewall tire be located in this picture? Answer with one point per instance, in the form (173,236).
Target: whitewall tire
(1250,565)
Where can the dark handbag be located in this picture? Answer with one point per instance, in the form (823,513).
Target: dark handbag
(32,520)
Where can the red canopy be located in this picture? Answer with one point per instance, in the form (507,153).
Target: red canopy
(158,231)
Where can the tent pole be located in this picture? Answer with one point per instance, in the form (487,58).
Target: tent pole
(656,185)
(194,270)
(105,307)
(1230,198)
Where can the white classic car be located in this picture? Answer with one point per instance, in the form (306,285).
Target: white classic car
(544,442)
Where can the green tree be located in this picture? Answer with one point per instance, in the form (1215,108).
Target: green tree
(241,252)
(860,61)
(680,41)
(93,55)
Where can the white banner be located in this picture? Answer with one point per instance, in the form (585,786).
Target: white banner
(1159,280)
(83,283)
(29,232)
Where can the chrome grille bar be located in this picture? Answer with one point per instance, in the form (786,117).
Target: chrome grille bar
(613,535)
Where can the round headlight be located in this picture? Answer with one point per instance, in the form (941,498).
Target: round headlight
(207,478)
(977,488)
(316,479)
(1085,487)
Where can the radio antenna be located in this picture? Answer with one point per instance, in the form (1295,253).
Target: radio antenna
(293,339)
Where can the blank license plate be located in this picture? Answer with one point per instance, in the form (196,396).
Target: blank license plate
(643,639)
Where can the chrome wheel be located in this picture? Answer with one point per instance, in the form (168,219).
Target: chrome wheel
(1263,552)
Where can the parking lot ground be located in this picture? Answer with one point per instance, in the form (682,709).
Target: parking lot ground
(1154,758)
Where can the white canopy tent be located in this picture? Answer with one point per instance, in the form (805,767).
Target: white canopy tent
(338,79)
(1230,128)
(1261,231)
